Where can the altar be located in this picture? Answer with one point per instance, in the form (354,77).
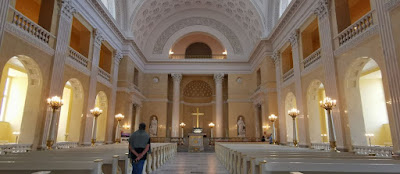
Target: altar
(196,142)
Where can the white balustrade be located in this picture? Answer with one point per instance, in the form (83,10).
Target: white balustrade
(78,57)
(316,55)
(321,146)
(24,23)
(356,28)
(374,150)
(66,145)
(288,75)
(104,74)
(15,148)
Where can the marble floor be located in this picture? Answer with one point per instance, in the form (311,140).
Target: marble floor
(193,163)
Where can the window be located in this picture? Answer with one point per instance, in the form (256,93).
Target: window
(4,99)
(198,50)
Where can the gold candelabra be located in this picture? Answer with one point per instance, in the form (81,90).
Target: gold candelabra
(182,125)
(96,112)
(273,118)
(328,104)
(54,103)
(294,113)
(119,117)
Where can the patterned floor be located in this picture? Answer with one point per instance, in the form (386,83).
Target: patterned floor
(193,163)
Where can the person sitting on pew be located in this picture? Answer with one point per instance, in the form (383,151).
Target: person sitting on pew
(139,145)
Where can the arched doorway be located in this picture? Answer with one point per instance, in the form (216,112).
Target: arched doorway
(20,86)
(102,103)
(366,104)
(71,112)
(317,118)
(290,102)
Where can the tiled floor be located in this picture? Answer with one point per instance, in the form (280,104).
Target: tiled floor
(193,163)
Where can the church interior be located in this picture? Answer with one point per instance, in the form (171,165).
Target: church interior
(223,86)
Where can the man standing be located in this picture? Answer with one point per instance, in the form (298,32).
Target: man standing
(139,145)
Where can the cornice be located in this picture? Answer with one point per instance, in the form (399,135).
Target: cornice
(392,4)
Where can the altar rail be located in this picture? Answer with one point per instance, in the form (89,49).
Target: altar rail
(27,25)
(321,146)
(66,145)
(356,28)
(379,151)
(15,148)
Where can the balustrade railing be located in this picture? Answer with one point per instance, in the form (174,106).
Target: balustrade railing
(24,23)
(356,28)
(183,56)
(15,148)
(66,145)
(321,146)
(374,151)
(288,75)
(78,57)
(104,74)
(316,55)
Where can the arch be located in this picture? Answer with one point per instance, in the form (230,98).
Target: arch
(317,119)
(366,103)
(290,102)
(198,48)
(102,103)
(71,112)
(21,84)
(180,45)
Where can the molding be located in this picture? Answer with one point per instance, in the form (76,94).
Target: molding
(261,51)
(156,100)
(198,104)
(294,38)
(23,35)
(392,4)
(374,30)
(276,57)
(310,68)
(67,8)
(322,9)
(239,101)
(104,81)
(77,66)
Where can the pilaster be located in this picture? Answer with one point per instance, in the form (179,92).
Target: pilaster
(301,119)
(57,74)
(281,113)
(328,61)
(98,38)
(4,5)
(392,68)
(256,120)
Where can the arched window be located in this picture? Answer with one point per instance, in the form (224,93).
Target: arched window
(283,5)
(198,50)
(110,5)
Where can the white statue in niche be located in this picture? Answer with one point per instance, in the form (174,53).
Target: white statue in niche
(153,127)
(241,127)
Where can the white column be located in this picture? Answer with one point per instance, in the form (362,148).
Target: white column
(281,113)
(256,120)
(137,117)
(4,4)
(175,104)
(98,38)
(328,61)
(263,116)
(392,68)
(218,104)
(301,119)
(57,74)
(111,111)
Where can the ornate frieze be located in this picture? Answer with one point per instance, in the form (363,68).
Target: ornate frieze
(322,8)
(219,77)
(225,30)
(392,4)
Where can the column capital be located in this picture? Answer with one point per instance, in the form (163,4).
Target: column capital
(219,77)
(98,37)
(67,8)
(137,105)
(118,56)
(294,38)
(276,56)
(322,8)
(177,77)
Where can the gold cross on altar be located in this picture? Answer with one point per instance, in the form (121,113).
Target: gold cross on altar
(197,114)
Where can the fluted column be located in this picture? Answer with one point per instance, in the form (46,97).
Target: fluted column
(328,61)
(175,104)
(301,119)
(392,68)
(281,114)
(4,4)
(256,107)
(57,73)
(137,117)
(98,38)
(218,104)
(111,112)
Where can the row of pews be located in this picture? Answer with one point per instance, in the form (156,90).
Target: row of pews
(261,158)
(107,159)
